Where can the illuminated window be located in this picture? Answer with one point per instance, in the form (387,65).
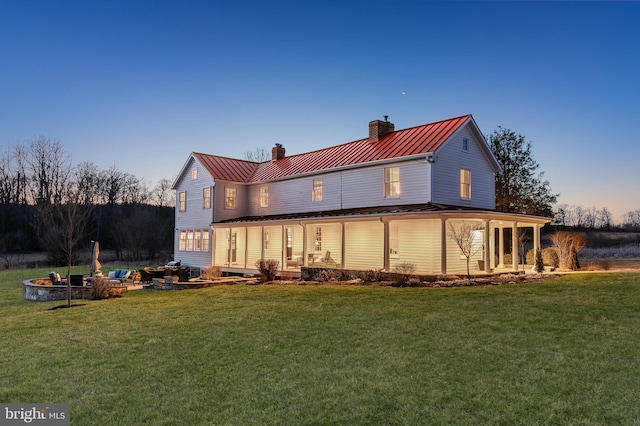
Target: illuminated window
(392,182)
(264,196)
(465,145)
(197,240)
(182,244)
(206,198)
(266,239)
(393,240)
(205,240)
(317,243)
(316,195)
(194,174)
(230,198)
(182,201)
(194,240)
(465,184)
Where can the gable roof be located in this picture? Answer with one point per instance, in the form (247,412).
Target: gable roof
(424,139)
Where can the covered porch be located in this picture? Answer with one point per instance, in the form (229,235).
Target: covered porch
(377,241)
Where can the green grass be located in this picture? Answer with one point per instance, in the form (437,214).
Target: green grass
(560,352)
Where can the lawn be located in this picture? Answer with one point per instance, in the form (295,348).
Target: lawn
(558,352)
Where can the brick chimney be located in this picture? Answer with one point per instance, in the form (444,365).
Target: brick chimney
(379,128)
(277,152)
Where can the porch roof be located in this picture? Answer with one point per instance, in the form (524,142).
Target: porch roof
(403,210)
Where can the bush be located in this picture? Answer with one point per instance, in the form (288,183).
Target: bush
(328,275)
(539,264)
(372,275)
(268,269)
(101,288)
(211,272)
(404,273)
(549,257)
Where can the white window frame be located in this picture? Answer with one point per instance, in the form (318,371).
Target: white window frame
(392,182)
(465,145)
(194,240)
(317,242)
(230,198)
(182,241)
(264,196)
(194,173)
(182,201)
(316,191)
(206,197)
(465,184)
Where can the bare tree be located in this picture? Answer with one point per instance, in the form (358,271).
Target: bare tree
(89,182)
(568,246)
(162,195)
(62,226)
(113,180)
(464,236)
(258,155)
(49,167)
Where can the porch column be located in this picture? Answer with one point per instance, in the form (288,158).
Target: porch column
(501,247)
(385,261)
(514,246)
(443,245)
(304,245)
(487,246)
(536,241)
(283,248)
(262,242)
(246,247)
(342,255)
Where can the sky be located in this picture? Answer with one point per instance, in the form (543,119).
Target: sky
(142,84)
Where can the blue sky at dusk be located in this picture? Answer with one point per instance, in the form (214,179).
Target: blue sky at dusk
(141,84)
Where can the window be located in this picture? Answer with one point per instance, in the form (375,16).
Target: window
(264,196)
(316,195)
(465,184)
(392,182)
(317,243)
(206,198)
(266,239)
(205,240)
(465,145)
(197,240)
(230,198)
(182,244)
(194,174)
(182,201)
(393,240)
(194,240)
(189,240)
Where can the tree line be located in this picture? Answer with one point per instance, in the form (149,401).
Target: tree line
(42,193)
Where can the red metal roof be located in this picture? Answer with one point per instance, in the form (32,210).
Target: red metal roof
(223,168)
(400,143)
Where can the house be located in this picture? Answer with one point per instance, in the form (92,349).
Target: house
(390,198)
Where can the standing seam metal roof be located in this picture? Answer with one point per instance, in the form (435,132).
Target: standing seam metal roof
(400,143)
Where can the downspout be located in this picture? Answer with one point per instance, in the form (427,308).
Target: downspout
(386,263)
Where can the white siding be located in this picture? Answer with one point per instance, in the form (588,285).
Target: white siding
(195,217)
(254,245)
(446,173)
(364,245)
(419,243)
(364,187)
(274,249)
(221,212)
(294,195)
(331,241)
(456,262)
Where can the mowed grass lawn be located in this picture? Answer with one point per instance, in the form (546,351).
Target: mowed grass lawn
(559,352)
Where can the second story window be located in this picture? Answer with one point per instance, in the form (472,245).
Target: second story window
(465,184)
(264,196)
(194,174)
(182,201)
(230,198)
(206,198)
(392,182)
(465,145)
(316,195)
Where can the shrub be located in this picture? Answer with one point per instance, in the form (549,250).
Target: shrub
(328,275)
(101,288)
(539,264)
(268,269)
(549,257)
(372,275)
(211,272)
(286,276)
(404,273)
